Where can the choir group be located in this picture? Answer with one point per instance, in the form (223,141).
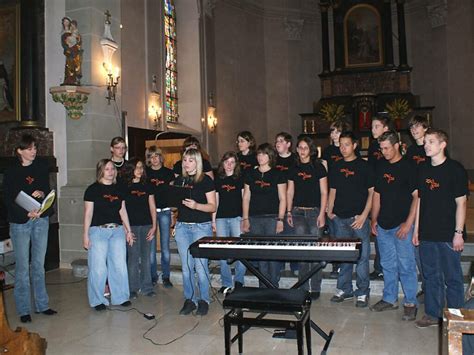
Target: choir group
(412,200)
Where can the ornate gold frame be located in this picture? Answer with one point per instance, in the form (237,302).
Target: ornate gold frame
(17,109)
(379,37)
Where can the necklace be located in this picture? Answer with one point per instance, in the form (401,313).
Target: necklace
(118,164)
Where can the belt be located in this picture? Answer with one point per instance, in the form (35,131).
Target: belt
(305,208)
(163,209)
(109,225)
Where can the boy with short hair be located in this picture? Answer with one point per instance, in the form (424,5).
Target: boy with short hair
(440,228)
(350,200)
(285,159)
(393,214)
(380,125)
(416,152)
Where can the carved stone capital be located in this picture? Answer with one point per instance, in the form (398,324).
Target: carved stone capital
(438,13)
(293,29)
(209,6)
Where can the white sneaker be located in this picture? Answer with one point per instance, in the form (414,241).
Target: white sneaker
(362,301)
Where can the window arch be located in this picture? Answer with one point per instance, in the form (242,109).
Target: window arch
(171,69)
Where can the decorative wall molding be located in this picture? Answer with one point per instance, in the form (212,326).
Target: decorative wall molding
(438,13)
(293,28)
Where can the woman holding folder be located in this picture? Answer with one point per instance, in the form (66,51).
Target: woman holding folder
(31,176)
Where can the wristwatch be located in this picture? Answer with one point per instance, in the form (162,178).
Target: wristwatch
(458,231)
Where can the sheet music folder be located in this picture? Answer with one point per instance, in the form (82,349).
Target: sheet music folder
(177,194)
(30,204)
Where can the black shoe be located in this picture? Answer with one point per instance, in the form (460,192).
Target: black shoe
(222,289)
(25,319)
(188,307)
(126,304)
(203,308)
(49,312)
(315,295)
(376,275)
(100,307)
(238,284)
(167,283)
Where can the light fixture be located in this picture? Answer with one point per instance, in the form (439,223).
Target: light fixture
(109,46)
(211,114)
(154,109)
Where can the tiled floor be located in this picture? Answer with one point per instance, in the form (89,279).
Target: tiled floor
(78,329)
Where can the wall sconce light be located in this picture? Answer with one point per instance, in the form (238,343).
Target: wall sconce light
(109,46)
(211,114)
(154,109)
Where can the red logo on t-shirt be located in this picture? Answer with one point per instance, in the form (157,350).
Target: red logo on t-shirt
(432,184)
(418,159)
(281,167)
(138,193)
(305,176)
(347,172)
(378,155)
(245,165)
(389,178)
(157,182)
(262,183)
(228,187)
(29,180)
(336,157)
(111,198)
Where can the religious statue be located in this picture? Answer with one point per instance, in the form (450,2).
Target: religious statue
(71,42)
(6,98)
(365,118)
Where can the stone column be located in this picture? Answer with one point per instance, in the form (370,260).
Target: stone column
(325,38)
(88,138)
(402,45)
(32,62)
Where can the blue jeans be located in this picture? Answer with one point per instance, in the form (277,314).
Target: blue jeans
(164,224)
(442,271)
(304,221)
(418,265)
(230,227)
(107,260)
(266,225)
(138,261)
(186,234)
(34,233)
(343,230)
(397,257)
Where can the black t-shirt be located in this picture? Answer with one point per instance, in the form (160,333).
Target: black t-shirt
(160,181)
(374,156)
(136,200)
(247,162)
(107,203)
(120,166)
(331,154)
(264,191)
(416,155)
(395,184)
(197,192)
(178,167)
(351,180)
(229,189)
(438,187)
(306,180)
(27,179)
(284,165)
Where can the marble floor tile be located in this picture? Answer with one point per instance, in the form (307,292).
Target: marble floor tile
(78,329)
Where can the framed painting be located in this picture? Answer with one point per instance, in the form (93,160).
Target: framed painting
(9,62)
(363,37)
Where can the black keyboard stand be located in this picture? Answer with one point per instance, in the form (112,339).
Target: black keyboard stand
(270,284)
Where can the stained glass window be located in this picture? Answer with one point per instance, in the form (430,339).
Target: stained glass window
(171,77)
